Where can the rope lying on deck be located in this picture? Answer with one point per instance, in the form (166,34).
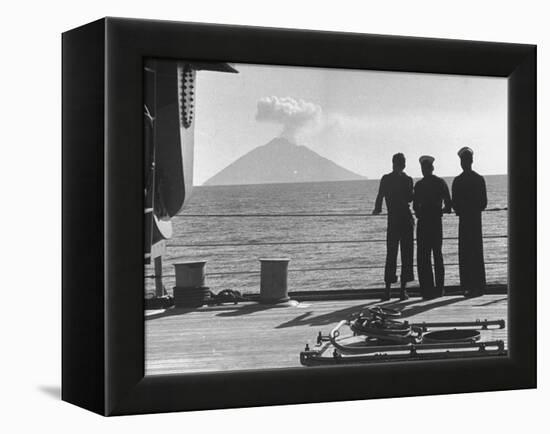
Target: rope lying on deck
(300,270)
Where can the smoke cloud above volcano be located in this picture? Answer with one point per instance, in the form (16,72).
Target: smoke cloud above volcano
(293,114)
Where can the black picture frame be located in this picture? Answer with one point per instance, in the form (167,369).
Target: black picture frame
(103,317)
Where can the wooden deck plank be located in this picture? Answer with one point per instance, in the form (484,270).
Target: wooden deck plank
(254,336)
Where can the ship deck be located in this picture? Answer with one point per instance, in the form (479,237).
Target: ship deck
(249,335)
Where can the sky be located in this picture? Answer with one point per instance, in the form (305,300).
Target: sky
(356,118)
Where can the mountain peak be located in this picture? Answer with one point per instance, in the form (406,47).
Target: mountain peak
(280,141)
(281,161)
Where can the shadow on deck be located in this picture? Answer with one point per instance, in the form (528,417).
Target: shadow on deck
(255,336)
(409,308)
(235,310)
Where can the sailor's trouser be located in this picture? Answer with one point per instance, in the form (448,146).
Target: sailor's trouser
(470,253)
(429,241)
(400,234)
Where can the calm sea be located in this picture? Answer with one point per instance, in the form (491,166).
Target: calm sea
(326,252)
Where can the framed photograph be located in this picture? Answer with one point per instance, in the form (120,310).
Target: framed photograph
(258,216)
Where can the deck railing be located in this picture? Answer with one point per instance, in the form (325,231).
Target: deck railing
(278,215)
(175,244)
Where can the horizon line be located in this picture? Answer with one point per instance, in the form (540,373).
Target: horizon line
(318,182)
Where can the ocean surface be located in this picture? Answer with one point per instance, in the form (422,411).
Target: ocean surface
(220,224)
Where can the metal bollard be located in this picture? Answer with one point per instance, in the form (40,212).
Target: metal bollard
(190,290)
(190,274)
(273,280)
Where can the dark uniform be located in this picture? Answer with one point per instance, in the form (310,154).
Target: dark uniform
(397,189)
(469,200)
(429,194)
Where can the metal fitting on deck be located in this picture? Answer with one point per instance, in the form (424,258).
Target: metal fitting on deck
(273,280)
(190,290)
(190,274)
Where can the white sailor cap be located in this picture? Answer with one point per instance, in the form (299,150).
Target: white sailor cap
(465,150)
(426,159)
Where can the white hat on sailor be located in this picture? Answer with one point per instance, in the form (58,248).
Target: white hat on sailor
(465,150)
(426,158)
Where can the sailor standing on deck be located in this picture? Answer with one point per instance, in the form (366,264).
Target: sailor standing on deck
(397,188)
(469,200)
(430,193)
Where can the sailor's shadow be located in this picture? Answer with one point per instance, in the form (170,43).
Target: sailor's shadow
(411,308)
(401,305)
(324,319)
(408,308)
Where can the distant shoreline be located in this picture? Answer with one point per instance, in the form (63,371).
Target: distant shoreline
(366,179)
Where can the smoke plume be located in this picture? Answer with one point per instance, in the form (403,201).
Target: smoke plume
(293,114)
